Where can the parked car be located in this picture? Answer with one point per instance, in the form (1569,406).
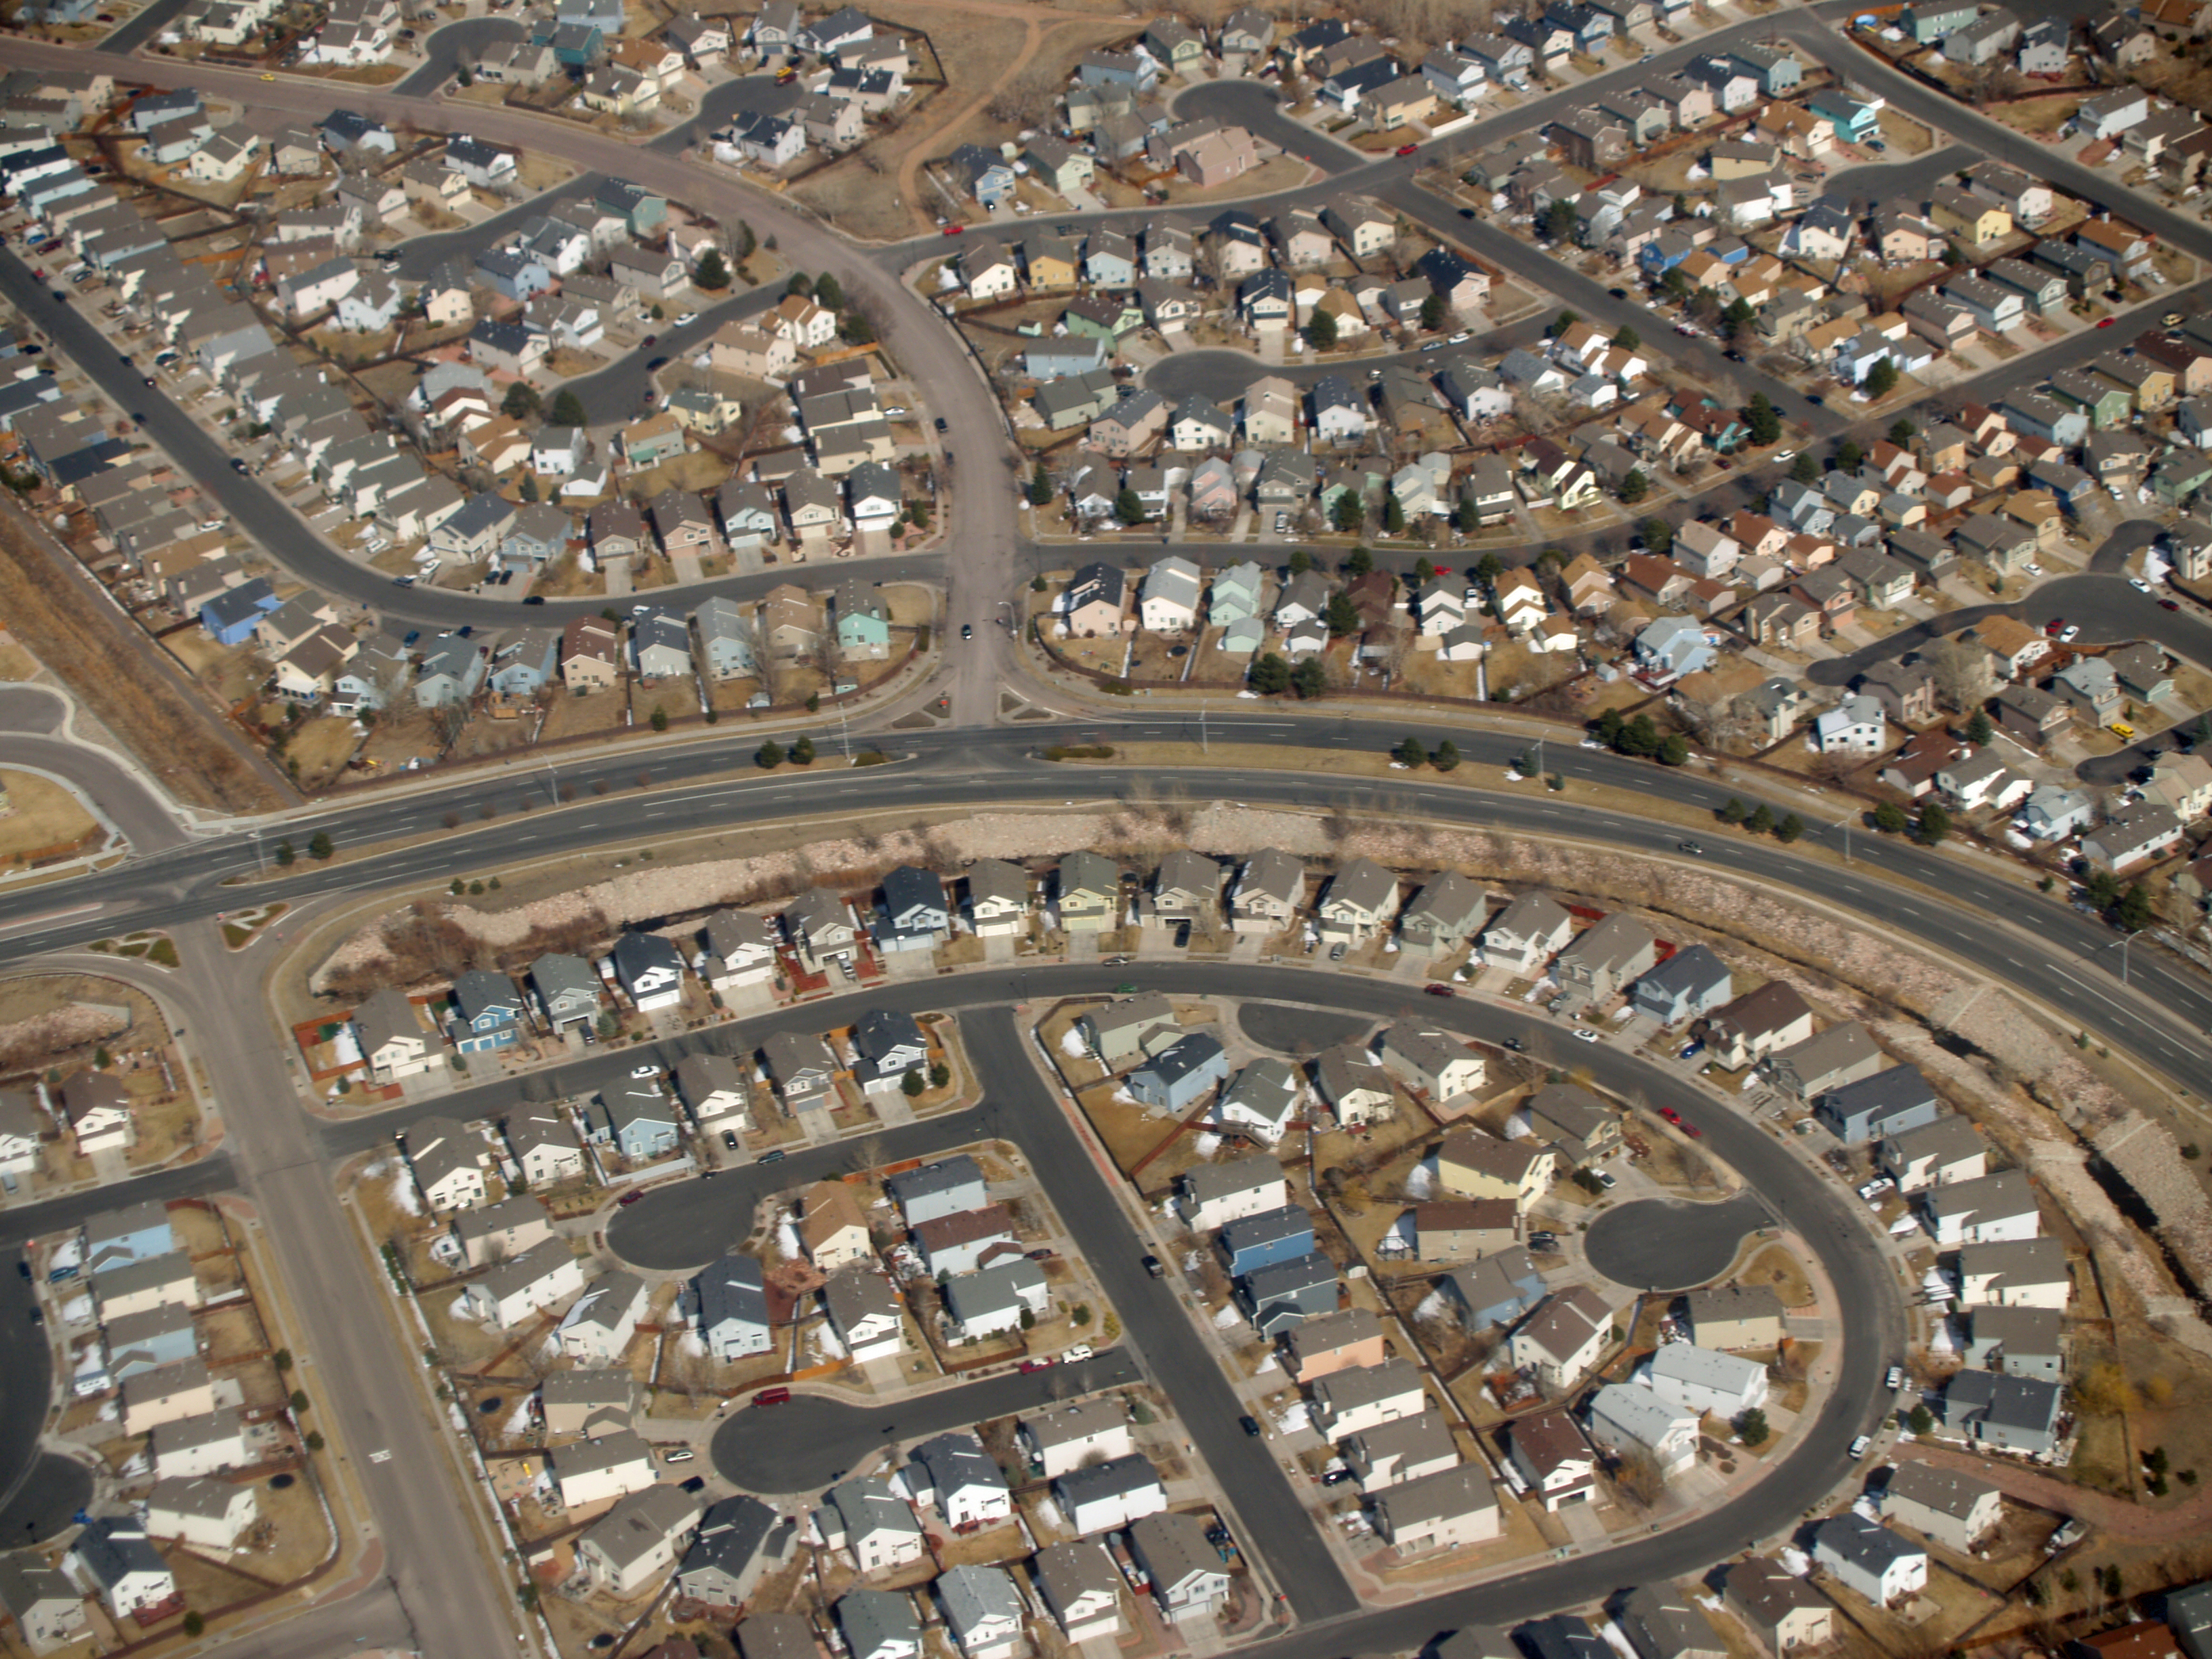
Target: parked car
(1437,989)
(1586,1036)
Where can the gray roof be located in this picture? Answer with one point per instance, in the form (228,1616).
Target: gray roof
(1687,972)
(1663,1623)
(776,1635)
(975,1595)
(872,1620)
(642,1523)
(732,1288)
(1948,1491)
(1066,1573)
(1206,1183)
(946,1175)
(1117,1476)
(733,1534)
(1867,1545)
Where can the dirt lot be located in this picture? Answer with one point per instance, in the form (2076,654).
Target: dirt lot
(42,818)
(51,608)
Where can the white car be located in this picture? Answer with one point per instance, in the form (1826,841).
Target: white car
(2139,584)
(895,409)
(2072,633)
(1076,1355)
(2032,568)
(688,316)
(1586,1036)
(1784,455)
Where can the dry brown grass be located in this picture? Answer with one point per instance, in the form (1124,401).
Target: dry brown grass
(42,816)
(50,607)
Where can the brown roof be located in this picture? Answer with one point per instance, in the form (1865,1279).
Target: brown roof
(965,1227)
(1548,1439)
(1464,1214)
(1507,1160)
(2147,1639)
(829,1207)
(1771,1006)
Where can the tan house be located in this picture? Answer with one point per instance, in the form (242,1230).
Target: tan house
(1735,1316)
(1477,1165)
(1335,1342)
(1783,1612)
(832,1226)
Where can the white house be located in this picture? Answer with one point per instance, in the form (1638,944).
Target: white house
(540,1277)
(1881,1566)
(209,1515)
(1703,1380)
(614,1465)
(1624,1418)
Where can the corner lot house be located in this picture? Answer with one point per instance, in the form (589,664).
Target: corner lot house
(1882,1566)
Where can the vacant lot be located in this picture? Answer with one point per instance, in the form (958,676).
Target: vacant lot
(51,609)
(43,818)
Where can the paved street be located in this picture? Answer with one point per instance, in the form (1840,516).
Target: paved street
(1666,1245)
(802,1447)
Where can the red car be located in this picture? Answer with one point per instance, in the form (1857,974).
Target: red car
(1037,1366)
(1670,1114)
(2169,605)
(629,1199)
(2105,322)
(1436,990)
(1693,1132)
(1407,149)
(2055,626)
(954,230)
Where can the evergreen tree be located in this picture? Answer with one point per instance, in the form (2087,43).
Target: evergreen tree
(1342,615)
(318,845)
(1805,470)
(1359,561)
(801,286)
(1270,676)
(1635,487)
(1979,729)
(1658,536)
(1301,561)
(1734,810)
(1321,330)
(1310,679)
(1789,829)
(1761,819)
(829,293)
(1446,757)
(746,241)
(1410,753)
(714,273)
(1434,313)
(1935,824)
(1351,512)
(1758,416)
(1039,487)
(520,402)
(1881,380)
(1848,456)
(768,756)
(802,752)
(568,409)
(1673,749)
(1902,432)
(1467,517)
(1393,515)
(857,327)
(1128,509)
(2133,911)
(1889,818)
(1627,337)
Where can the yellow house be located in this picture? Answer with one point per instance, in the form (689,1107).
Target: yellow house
(1967,216)
(1049,267)
(1471,1165)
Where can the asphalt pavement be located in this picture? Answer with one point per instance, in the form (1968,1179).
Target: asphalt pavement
(31,734)
(813,1441)
(1670,1244)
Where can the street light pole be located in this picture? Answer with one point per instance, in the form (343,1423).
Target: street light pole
(1845,826)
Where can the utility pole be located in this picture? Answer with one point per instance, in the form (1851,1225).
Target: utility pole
(844,734)
(1202,748)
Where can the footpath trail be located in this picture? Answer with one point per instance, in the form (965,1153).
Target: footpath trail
(2115,1515)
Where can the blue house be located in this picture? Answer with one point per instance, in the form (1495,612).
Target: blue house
(230,615)
(1174,1080)
(143,1341)
(643,210)
(514,275)
(1686,985)
(1675,647)
(137,1234)
(639,1118)
(527,663)
(575,46)
(987,176)
(1496,1289)
(1888,1103)
(487,1012)
(1853,119)
(1288,1293)
(1253,1242)
(453,668)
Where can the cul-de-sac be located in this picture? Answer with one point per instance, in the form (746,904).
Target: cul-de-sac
(1021,830)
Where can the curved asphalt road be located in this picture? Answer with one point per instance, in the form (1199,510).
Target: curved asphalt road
(31,734)
(814,1440)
